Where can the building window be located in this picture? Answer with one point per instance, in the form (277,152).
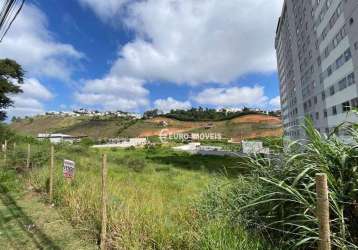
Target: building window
(315,100)
(351,79)
(325,114)
(348,54)
(331,90)
(326,52)
(340,61)
(323,95)
(346,107)
(317,116)
(342,84)
(354,102)
(327,130)
(334,110)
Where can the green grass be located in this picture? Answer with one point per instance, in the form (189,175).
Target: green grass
(27,223)
(154,198)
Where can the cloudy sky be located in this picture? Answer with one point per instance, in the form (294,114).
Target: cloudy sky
(135,55)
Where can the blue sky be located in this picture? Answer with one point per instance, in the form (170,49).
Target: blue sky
(136,55)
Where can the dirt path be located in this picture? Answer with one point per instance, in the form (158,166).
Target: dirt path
(27,223)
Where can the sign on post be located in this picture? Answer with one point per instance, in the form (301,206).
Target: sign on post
(68,169)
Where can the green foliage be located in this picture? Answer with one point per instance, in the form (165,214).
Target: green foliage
(134,163)
(284,204)
(201,114)
(6,133)
(153,201)
(9,71)
(150,113)
(217,209)
(87,142)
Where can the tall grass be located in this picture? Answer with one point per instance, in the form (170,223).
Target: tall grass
(156,197)
(284,203)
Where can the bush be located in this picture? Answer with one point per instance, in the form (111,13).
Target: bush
(136,164)
(87,142)
(284,204)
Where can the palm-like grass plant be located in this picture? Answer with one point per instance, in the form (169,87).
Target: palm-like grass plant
(284,205)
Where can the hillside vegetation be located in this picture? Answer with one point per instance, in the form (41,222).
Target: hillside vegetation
(206,114)
(244,127)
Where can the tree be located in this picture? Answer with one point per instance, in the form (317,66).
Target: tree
(14,119)
(151,113)
(11,74)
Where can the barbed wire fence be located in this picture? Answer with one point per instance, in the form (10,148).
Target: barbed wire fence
(28,156)
(24,157)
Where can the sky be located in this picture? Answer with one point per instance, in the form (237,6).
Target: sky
(135,55)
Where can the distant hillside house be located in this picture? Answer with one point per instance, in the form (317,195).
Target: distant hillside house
(209,126)
(59,138)
(123,143)
(163,123)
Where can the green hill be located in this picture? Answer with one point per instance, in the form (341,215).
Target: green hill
(248,126)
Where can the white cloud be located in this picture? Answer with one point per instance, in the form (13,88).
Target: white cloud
(30,102)
(235,96)
(275,102)
(114,93)
(168,104)
(195,41)
(105,9)
(34,89)
(32,45)
(192,42)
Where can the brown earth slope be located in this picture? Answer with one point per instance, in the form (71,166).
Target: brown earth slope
(245,127)
(248,126)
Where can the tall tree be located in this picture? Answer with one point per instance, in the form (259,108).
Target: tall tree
(11,75)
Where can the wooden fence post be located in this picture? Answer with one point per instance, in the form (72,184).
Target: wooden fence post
(323,212)
(28,156)
(51,175)
(104,202)
(14,150)
(5,152)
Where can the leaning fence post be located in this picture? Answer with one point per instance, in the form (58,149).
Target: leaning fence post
(5,152)
(51,175)
(104,202)
(28,156)
(14,152)
(323,212)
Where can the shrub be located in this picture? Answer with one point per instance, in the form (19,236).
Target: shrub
(136,164)
(284,205)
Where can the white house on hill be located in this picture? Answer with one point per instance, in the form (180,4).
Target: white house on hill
(58,138)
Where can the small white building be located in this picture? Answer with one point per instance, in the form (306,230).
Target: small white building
(254,147)
(58,138)
(123,143)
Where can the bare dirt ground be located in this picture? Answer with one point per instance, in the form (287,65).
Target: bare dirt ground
(175,126)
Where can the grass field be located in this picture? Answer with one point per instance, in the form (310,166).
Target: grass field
(162,199)
(157,197)
(27,223)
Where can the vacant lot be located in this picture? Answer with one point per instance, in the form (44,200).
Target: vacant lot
(156,197)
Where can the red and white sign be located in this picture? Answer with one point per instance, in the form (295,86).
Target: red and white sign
(68,169)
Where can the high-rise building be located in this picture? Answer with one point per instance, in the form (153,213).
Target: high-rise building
(317,57)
